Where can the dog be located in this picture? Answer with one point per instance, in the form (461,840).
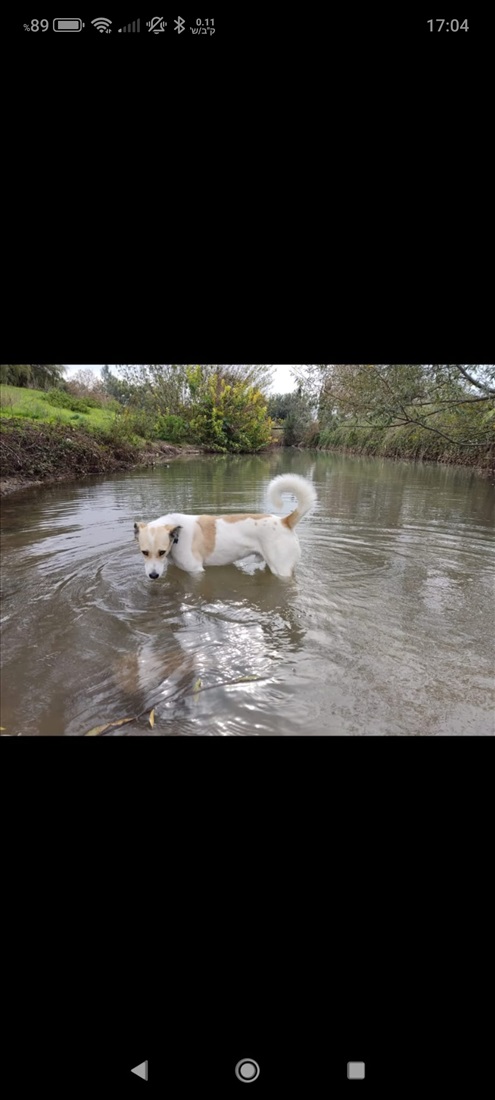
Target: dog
(191,542)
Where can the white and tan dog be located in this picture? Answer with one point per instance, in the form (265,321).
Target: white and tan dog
(191,542)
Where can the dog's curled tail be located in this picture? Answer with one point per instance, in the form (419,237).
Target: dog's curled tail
(300,487)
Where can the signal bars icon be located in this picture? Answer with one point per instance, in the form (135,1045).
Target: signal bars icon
(133,28)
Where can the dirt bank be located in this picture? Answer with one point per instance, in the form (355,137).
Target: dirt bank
(41,454)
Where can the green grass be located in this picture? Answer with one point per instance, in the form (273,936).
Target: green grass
(22,402)
(105,425)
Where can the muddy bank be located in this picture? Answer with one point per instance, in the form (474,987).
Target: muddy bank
(42,454)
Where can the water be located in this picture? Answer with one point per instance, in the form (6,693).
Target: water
(387,627)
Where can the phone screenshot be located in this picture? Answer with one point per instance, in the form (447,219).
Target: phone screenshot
(247,605)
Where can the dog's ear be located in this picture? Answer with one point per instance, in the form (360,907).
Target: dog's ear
(136,529)
(174,535)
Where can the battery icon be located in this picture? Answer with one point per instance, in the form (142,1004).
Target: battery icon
(68,24)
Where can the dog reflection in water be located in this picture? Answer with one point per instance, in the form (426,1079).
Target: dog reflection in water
(147,675)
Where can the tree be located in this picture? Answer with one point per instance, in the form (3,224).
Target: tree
(295,410)
(158,386)
(39,376)
(450,400)
(120,389)
(166,388)
(86,384)
(279,405)
(257,375)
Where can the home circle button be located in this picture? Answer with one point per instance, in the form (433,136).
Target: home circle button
(247,1070)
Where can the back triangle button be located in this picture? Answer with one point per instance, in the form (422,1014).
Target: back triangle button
(141,1071)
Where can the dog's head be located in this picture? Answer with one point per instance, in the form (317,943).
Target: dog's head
(155,544)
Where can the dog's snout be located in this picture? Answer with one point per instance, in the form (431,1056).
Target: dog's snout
(153,576)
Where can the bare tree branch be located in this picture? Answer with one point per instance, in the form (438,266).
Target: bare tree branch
(474,381)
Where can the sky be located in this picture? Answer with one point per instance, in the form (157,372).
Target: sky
(282,380)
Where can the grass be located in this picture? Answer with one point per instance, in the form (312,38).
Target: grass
(41,442)
(16,401)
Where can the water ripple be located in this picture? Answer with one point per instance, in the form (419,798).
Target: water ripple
(387,627)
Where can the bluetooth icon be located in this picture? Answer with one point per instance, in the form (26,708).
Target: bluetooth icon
(179,25)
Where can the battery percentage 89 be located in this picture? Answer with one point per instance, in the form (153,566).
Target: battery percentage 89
(37,25)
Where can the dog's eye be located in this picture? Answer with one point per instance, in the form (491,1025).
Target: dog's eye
(161,553)
(146,552)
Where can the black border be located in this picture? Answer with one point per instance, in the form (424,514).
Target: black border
(328,203)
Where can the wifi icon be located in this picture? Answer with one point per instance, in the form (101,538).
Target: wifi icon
(102,25)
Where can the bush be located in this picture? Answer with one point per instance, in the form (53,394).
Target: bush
(93,402)
(172,428)
(128,427)
(61,400)
(137,422)
(228,418)
(311,436)
(111,405)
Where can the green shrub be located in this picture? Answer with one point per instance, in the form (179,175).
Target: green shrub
(93,402)
(172,428)
(137,422)
(228,417)
(127,428)
(111,405)
(62,400)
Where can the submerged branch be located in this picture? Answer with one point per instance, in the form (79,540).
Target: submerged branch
(102,730)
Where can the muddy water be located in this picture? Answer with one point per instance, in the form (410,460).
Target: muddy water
(386,629)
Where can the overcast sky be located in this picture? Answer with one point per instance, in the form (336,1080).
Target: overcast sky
(282,380)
